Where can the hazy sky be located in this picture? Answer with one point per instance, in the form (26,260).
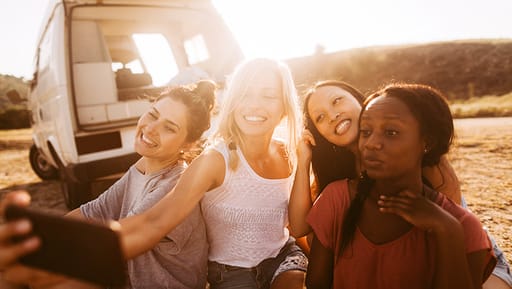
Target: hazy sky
(290,28)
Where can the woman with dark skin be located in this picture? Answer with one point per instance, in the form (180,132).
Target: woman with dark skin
(329,145)
(362,228)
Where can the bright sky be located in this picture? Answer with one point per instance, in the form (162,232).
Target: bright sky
(291,28)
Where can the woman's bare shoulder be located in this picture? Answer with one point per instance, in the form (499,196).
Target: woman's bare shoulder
(208,167)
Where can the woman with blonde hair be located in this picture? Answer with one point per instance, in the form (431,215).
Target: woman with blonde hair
(243,183)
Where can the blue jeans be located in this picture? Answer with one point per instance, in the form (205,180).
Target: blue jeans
(222,276)
(502,269)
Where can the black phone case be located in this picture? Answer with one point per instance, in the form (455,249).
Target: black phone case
(75,248)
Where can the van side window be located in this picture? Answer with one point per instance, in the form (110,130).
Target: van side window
(44,52)
(196,49)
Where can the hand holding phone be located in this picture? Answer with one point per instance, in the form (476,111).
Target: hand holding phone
(72,247)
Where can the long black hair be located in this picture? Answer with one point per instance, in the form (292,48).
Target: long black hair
(330,162)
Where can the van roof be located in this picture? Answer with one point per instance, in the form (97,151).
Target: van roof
(68,4)
(161,3)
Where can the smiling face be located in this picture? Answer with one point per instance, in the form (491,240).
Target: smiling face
(162,131)
(335,114)
(261,108)
(390,140)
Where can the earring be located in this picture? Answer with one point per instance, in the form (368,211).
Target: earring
(425,150)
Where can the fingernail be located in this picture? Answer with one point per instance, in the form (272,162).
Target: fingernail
(22,226)
(31,243)
(22,198)
(382,197)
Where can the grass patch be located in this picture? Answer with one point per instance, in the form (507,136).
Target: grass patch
(485,106)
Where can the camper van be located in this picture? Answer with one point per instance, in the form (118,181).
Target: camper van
(98,63)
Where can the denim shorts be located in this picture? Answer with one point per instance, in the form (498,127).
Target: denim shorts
(222,276)
(502,269)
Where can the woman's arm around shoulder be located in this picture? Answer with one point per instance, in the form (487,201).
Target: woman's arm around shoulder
(444,179)
(141,232)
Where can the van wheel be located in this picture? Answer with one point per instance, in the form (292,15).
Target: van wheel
(41,166)
(76,193)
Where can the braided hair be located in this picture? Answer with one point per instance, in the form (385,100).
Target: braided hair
(432,112)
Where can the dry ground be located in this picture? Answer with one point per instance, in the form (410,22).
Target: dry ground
(482,157)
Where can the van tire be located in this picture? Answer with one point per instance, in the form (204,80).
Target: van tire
(42,168)
(76,193)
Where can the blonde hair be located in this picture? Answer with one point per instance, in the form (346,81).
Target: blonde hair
(236,89)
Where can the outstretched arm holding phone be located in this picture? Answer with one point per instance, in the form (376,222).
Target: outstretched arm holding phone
(10,252)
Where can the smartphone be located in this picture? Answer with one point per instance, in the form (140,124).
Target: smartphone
(72,247)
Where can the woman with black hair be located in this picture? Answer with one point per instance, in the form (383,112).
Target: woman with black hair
(389,229)
(331,111)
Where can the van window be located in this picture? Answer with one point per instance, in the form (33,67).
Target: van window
(45,50)
(157,57)
(135,66)
(196,49)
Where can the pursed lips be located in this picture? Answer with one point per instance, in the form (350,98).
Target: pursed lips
(372,160)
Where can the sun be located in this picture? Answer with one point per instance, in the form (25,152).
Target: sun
(288,28)
(267,28)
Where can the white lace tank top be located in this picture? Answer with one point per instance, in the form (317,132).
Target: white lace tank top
(246,216)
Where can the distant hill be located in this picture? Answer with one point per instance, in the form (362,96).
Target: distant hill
(461,69)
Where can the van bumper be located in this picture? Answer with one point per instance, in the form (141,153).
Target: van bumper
(89,171)
(86,172)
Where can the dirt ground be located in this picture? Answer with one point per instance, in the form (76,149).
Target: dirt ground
(481,155)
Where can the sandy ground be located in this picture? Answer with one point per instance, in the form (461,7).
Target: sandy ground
(481,155)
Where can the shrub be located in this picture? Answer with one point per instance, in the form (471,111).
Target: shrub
(14,118)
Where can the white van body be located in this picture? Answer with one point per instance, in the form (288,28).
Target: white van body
(91,82)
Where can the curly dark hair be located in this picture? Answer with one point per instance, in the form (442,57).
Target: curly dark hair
(199,98)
